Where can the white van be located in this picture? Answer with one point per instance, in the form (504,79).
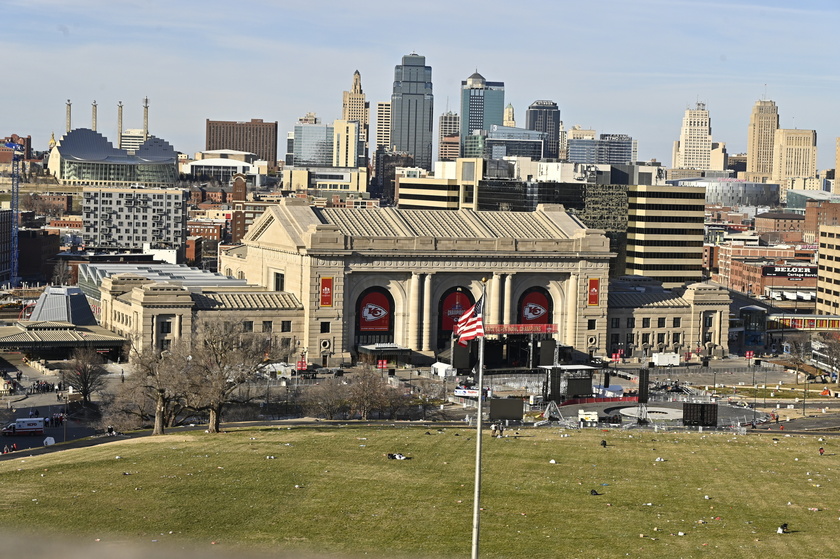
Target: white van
(30,426)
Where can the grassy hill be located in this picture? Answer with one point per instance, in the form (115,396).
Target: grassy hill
(330,489)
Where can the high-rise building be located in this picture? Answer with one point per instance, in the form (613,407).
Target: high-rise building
(794,155)
(412,106)
(665,233)
(694,148)
(449,125)
(544,116)
(132,217)
(509,119)
(354,107)
(383,125)
(348,148)
(254,137)
(609,149)
(764,121)
(313,145)
(482,105)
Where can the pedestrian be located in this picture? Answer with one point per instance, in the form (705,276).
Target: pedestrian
(6,449)
(822,451)
(603,443)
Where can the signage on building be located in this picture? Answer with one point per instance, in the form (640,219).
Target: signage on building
(374,313)
(326,292)
(789,271)
(454,305)
(520,328)
(594,294)
(534,309)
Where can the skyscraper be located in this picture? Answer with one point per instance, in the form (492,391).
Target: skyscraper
(509,119)
(348,148)
(449,125)
(354,107)
(482,105)
(665,233)
(383,125)
(544,116)
(412,103)
(794,155)
(694,148)
(764,121)
(255,137)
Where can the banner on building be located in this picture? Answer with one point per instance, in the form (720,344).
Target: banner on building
(326,292)
(454,305)
(594,292)
(375,312)
(535,308)
(520,328)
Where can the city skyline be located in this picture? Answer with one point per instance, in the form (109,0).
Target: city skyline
(211,60)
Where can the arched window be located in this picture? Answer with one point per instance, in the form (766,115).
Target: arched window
(452,305)
(535,307)
(375,317)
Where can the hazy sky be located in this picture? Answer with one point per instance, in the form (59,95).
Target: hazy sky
(617,66)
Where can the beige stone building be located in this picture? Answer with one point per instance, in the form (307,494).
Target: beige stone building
(646,319)
(354,106)
(158,314)
(764,121)
(828,270)
(794,155)
(402,277)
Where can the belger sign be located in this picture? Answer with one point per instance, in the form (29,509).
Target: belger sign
(789,271)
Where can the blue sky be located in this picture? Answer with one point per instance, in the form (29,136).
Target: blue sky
(612,65)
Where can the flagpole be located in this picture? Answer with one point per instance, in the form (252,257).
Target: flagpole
(478,417)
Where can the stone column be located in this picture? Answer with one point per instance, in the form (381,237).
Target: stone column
(427,313)
(414,312)
(494,316)
(571,318)
(508,302)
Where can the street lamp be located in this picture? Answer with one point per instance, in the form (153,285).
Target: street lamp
(805,395)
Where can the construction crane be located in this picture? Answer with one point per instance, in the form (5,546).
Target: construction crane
(17,155)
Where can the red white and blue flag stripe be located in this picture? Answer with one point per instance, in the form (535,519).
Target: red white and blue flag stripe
(471,323)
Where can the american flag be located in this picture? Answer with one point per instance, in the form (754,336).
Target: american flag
(471,324)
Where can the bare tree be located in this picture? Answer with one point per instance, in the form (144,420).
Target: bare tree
(222,359)
(86,375)
(160,376)
(368,393)
(327,399)
(61,273)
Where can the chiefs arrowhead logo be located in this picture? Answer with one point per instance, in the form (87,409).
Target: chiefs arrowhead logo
(372,313)
(532,311)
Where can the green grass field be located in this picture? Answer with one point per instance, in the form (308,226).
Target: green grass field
(330,490)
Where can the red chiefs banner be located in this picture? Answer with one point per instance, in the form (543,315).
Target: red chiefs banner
(534,308)
(326,292)
(375,313)
(594,292)
(454,305)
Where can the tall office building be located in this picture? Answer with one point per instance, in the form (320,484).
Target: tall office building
(412,106)
(348,148)
(254,137)
(544,116)
(383,125)
(609,149)
(665,233)
(449,125)
(482,105)
(794,156)
(354,107)
(313,145)
(694,148)
(764,121)
(510,118)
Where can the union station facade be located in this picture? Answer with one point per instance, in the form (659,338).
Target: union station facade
(396,279)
